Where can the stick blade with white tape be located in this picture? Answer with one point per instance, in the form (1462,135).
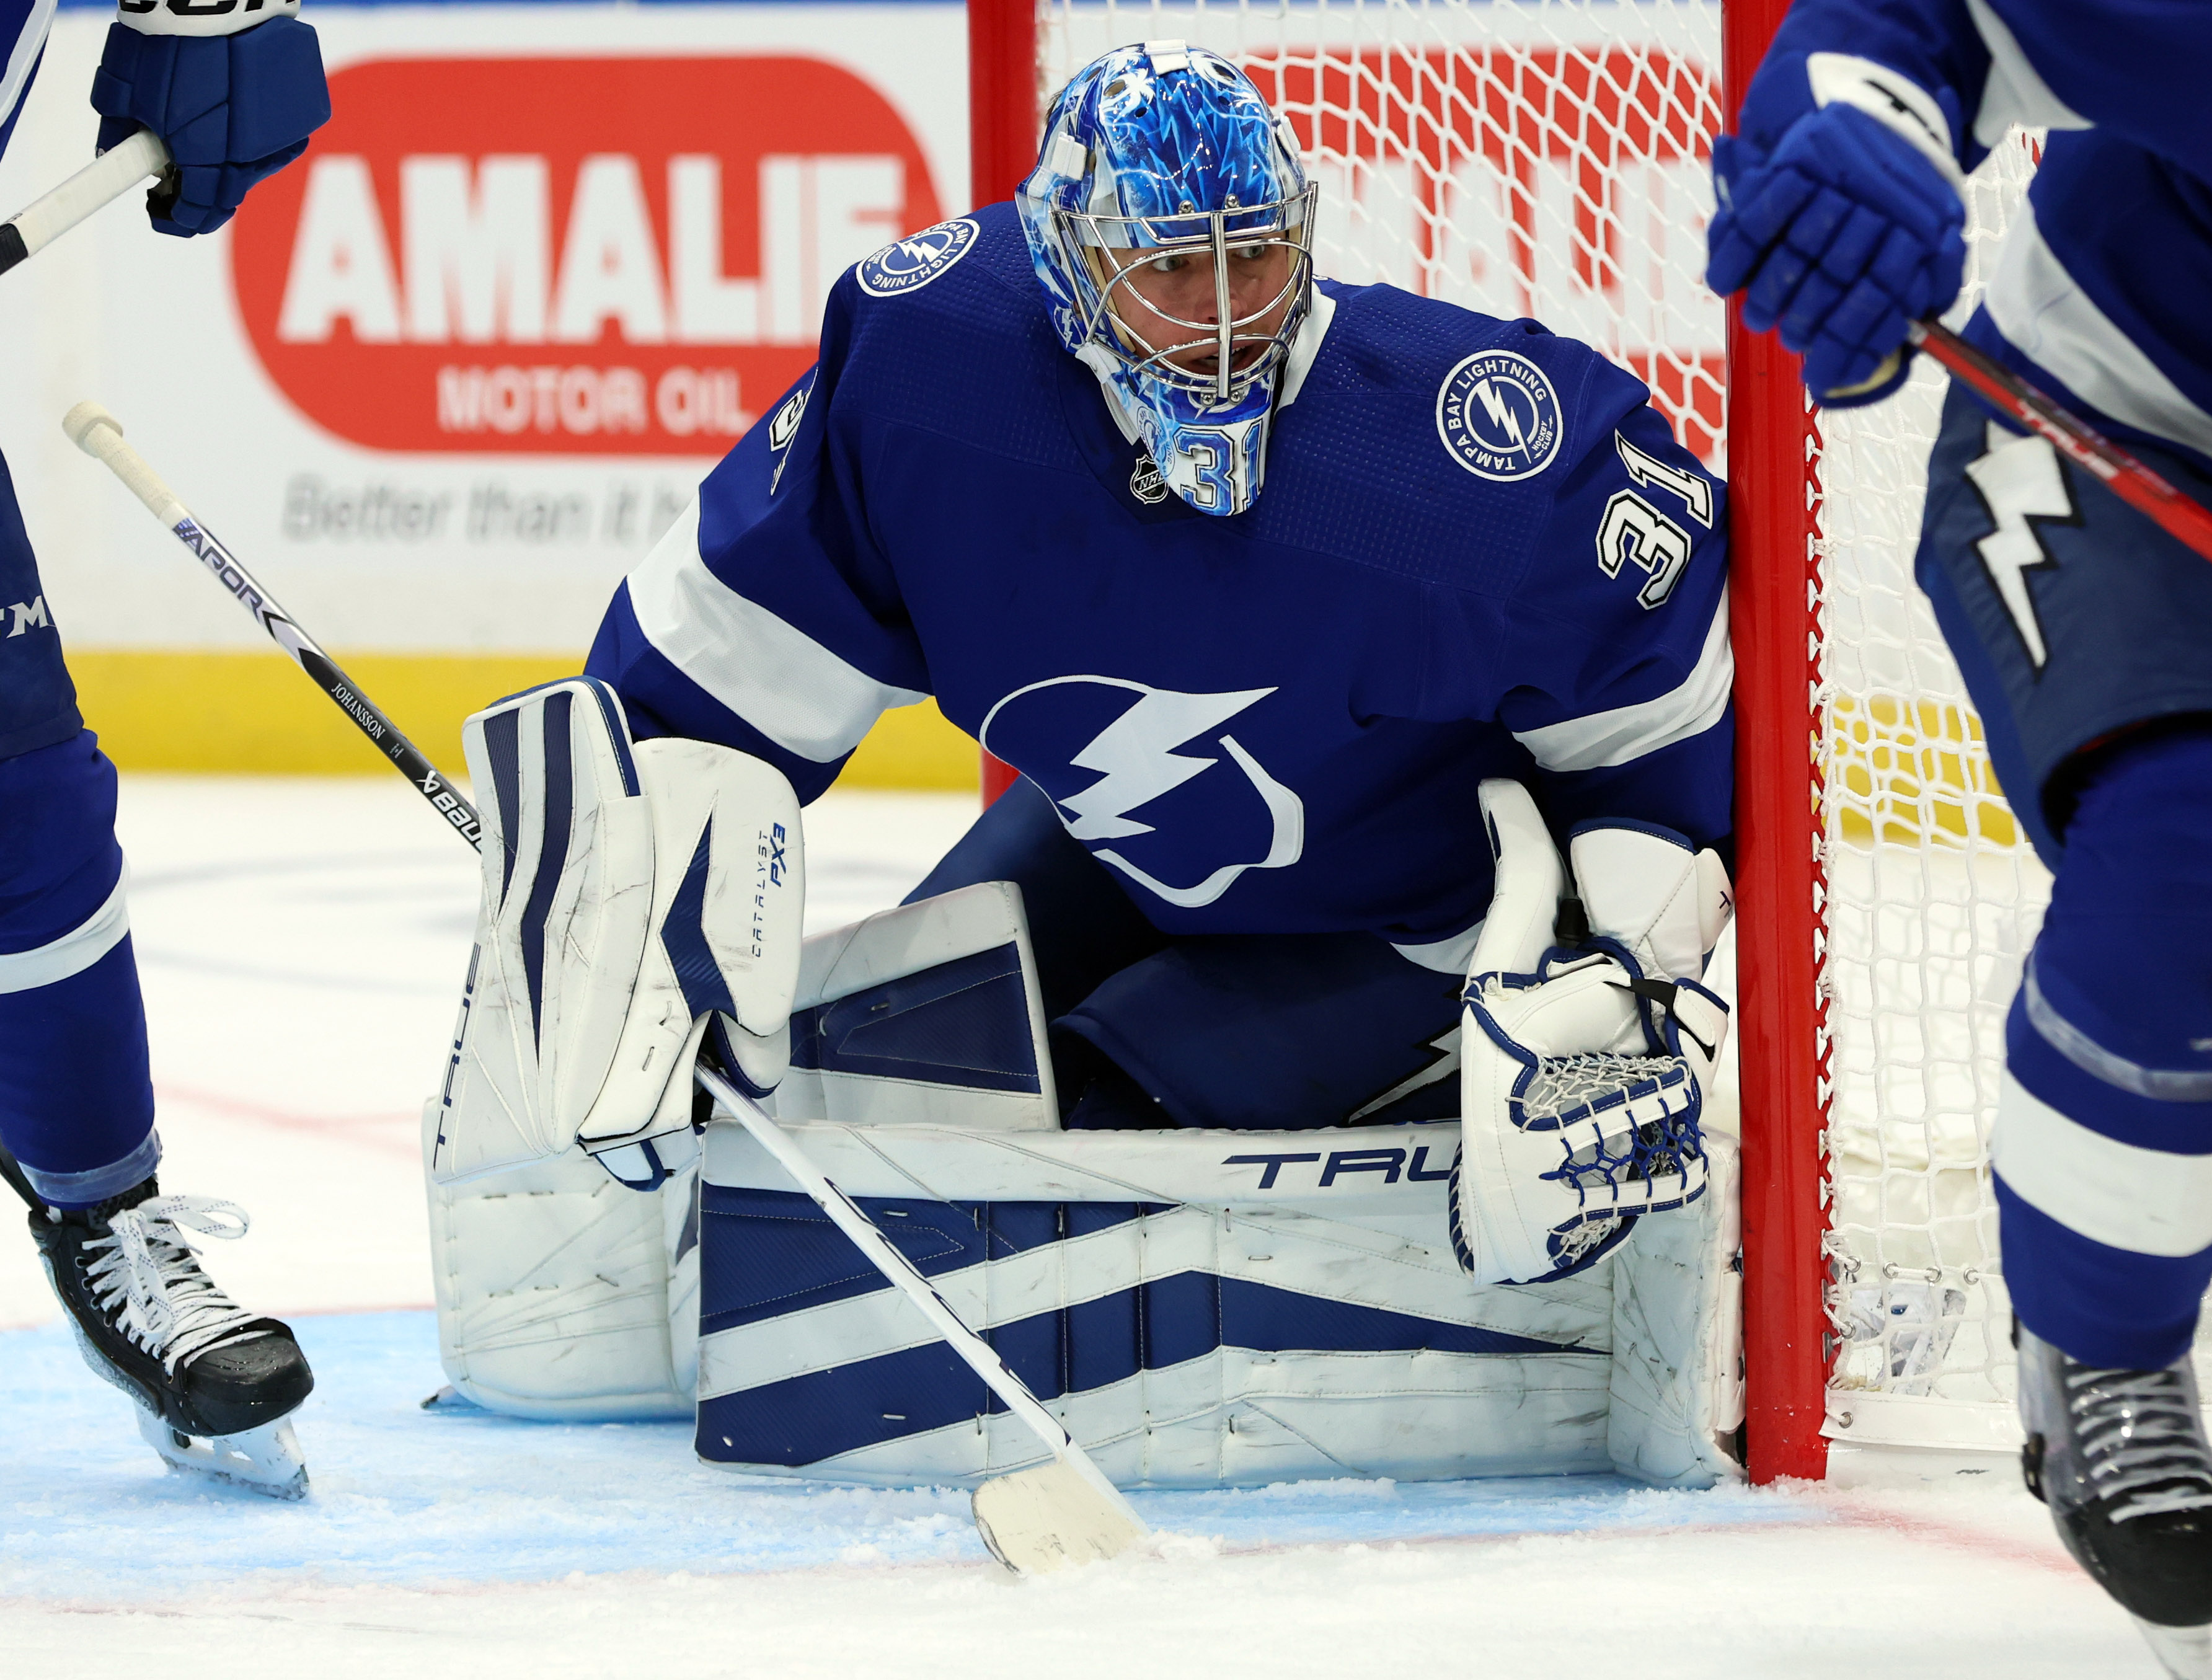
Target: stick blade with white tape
(1036,1521)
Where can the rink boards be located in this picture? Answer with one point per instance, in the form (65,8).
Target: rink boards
(1201,1309)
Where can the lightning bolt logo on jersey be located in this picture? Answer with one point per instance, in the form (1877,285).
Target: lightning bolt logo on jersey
(1102,758)
(910,263)
(1499,416)
(2019,480)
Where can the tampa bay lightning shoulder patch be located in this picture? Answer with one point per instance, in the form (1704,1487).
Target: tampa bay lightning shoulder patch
(1499,416)
(910,263)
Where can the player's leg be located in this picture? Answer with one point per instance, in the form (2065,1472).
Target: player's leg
(1262,1032)
(1269,1032)
(76,1106)
(1083,927)
(2081,630)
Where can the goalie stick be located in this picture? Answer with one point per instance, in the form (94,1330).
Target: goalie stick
(1064,1512)
(2129,479)
(100,434)
(107,177)
(1034,1520)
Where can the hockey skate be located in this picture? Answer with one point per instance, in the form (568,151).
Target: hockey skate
(2120,1457)
(215,1386)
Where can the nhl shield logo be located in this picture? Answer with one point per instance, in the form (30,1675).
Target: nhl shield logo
(1146,482)
(910,263)
(1499,416)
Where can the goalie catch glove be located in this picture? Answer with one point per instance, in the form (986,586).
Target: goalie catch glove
(635,899)
(1585,1054)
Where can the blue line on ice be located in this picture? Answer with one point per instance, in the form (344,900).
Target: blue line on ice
(402,1495)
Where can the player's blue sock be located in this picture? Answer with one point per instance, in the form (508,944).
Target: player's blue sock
(2112,1029)
(76,1106)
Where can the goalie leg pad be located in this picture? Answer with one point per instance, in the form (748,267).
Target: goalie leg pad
(928,1014)
(563,1296)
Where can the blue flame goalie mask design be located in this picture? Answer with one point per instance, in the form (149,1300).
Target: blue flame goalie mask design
(1171,226)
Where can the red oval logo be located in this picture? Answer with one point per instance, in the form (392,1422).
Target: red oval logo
(587,255)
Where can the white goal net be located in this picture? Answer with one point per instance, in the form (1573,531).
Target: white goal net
(1551,160)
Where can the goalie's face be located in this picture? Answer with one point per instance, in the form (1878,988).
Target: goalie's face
(1205,301)
(1171,303)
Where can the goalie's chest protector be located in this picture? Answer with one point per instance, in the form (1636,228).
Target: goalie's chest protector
(1270,723)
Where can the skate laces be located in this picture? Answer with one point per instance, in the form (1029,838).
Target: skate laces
(150,1284)
(2142,1437)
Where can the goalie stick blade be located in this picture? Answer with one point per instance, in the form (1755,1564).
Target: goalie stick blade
(1050,1518)
(2186,1652)
(265,1460)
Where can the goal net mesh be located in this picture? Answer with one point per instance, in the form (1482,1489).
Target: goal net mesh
(1550,158)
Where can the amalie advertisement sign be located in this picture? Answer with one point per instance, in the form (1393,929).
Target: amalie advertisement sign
(592,255)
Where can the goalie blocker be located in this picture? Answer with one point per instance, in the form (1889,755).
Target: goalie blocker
(636,897)
(1202,1307)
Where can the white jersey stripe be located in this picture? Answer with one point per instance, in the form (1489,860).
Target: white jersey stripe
(75,952)
(1628,732)
(777,677)
(2043,310)
(2144,1201)
(2015,91)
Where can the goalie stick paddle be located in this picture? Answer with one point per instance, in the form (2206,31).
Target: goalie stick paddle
(2129,479)
(1061,1513)
(1035,1520)
(107,177)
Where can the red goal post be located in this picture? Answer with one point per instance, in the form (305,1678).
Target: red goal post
(1582,111)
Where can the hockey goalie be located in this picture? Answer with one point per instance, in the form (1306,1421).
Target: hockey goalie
(1308,1067)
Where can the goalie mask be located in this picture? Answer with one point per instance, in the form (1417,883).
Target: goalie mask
(1171,226)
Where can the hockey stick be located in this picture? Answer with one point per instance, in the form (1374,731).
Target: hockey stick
(1065,1511)
(108,176)
(1033,1521)
(98,433)
(2129,479)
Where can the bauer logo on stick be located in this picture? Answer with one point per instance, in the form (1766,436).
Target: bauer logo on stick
(1499,416)
(913,262)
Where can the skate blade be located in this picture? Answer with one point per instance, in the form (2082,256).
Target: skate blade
(2186,1652)
(265,1460)
(1038,1520)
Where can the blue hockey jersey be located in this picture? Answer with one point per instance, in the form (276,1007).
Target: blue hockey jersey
(1479,552)
(23,27)
(2098,295)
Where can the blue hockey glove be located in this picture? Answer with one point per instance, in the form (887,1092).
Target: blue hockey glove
(231,109)
(1843,231)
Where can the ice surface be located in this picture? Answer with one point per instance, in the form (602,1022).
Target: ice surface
(302,943)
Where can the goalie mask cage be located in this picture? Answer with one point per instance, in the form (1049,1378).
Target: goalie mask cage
(1550,158)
